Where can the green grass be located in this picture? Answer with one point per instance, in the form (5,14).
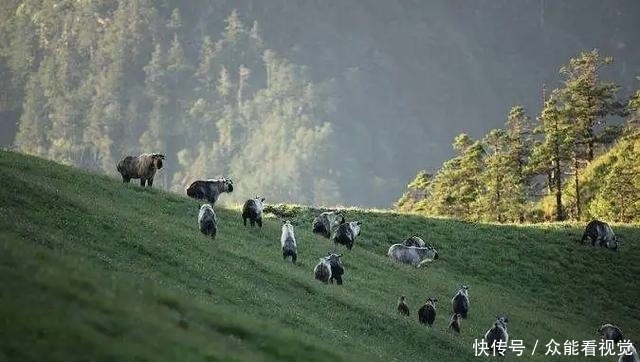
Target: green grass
(94,270)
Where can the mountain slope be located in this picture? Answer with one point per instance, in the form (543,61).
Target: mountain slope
(91,269)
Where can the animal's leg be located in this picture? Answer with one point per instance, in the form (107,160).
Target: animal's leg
(259,222)
(294,257)
(244,220)
(150,182)
(142,180)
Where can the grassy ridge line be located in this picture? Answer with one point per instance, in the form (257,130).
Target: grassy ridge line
(99,229)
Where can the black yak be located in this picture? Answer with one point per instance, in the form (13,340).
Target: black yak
(252,210)
(427,313)
(209,190)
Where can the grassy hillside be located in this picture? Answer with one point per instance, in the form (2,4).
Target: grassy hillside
(91,269)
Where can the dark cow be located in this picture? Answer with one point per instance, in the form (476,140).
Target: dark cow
(209,190)
(322,270)
(337,268)
(325,223)
(143,167)
(427,313)
(403,308)
(601,233)
(497,337)
(252,210)
(460,302)
(346,233)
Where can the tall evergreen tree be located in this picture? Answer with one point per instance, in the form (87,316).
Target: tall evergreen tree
(555,152)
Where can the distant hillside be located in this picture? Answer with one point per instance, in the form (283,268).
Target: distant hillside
(91,269)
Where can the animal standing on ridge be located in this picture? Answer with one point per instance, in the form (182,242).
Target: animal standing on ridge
(252,210)
(412,255)
(601,233)
(498,333)
(460,302)
(326,222)
(208,221)
(288,242)
(346,234)
(427,313)
(143,167)
(403,308)
(209,190)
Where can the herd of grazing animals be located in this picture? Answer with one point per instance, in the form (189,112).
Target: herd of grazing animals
(332,225)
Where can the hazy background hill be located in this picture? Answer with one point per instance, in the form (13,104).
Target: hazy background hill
(388,84)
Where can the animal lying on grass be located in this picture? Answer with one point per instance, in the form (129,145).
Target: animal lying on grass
(412,255)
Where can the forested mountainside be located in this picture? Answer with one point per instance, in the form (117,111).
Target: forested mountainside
(573,161)
(305,101)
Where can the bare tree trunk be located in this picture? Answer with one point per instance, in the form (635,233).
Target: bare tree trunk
(577,186)
(558,187)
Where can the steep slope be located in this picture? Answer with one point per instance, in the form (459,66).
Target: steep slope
(91,269)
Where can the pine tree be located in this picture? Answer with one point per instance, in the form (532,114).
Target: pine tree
(555,152)
(457,185)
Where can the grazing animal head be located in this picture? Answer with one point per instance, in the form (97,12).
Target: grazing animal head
(223,184)
(228,185)
(334,258)
(355,227)
(432,302)
(157,160)
(501,321)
